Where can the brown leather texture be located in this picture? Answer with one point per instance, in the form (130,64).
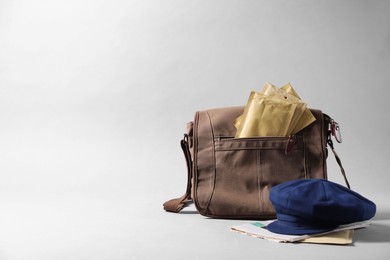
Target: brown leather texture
(232,177)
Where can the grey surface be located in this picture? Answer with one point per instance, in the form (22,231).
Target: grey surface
(94,96)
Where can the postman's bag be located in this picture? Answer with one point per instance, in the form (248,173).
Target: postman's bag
(231,177)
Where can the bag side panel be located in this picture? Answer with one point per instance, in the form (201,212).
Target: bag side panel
(208,125)
(314,138)
(203,167)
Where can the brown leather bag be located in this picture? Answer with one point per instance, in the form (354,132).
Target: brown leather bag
(231,177)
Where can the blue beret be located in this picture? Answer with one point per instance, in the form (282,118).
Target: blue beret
(311,206)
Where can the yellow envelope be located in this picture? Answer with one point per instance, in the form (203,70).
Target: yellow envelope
(307,117)
(273,112)
(342,237)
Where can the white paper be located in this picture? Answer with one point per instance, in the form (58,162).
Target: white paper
(257,229)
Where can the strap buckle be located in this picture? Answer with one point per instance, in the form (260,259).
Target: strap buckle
(335,131)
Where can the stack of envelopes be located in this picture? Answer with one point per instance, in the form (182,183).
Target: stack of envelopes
(273,112)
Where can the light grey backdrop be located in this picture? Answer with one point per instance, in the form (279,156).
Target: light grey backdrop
(94,97)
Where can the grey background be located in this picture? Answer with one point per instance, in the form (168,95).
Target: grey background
(94,97)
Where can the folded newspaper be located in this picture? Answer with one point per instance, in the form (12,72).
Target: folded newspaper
(341,235)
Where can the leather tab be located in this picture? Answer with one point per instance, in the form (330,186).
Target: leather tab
(177,204)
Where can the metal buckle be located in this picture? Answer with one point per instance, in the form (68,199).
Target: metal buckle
(335,130)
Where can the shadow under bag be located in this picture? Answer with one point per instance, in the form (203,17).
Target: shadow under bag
(232,177)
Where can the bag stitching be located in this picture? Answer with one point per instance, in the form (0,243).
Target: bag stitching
(214,169)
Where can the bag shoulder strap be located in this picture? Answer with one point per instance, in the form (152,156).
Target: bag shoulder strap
(177,204)
(330,142)
(334,130)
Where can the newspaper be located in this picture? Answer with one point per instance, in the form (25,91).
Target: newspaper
(258,229)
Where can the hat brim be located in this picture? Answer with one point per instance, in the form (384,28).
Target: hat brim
(281,228)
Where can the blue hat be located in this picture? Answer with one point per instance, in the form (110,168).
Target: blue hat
(312,206)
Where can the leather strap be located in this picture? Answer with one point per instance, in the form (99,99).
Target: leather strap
(177,204)
(330,142)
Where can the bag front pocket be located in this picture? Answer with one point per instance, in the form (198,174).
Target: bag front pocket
(247,168)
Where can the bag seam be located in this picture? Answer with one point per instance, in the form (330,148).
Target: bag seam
(214,168)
